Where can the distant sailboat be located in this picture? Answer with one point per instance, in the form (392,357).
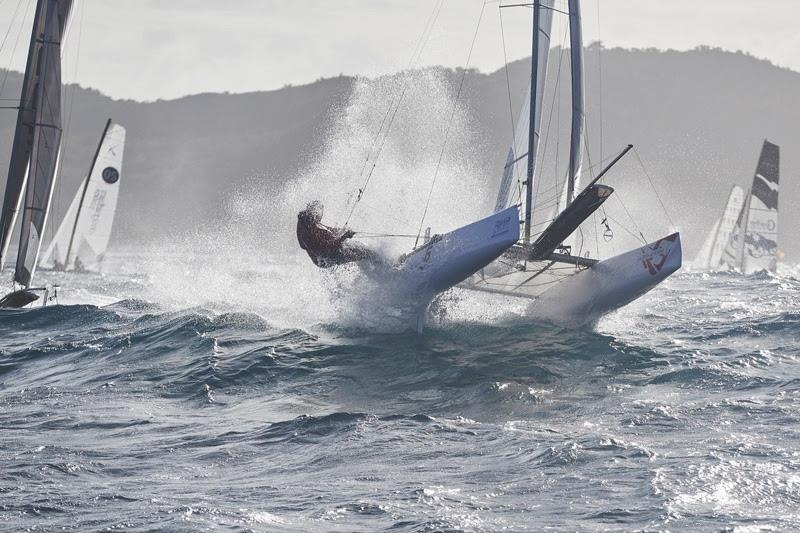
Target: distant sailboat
(549,265)
(36,148)
(752,245)
(81,241)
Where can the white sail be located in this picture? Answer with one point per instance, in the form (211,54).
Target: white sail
(703,258)
(724,228)
(761,229)
(82,239)
(517,161)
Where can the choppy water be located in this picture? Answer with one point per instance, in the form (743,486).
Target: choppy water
(244,405)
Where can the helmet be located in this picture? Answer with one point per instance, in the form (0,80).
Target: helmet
(312,212)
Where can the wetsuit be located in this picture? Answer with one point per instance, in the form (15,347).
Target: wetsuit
(326,246)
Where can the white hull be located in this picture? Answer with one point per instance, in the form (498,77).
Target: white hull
(444,262)
(585,297)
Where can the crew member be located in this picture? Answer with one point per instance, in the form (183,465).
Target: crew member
(327,246)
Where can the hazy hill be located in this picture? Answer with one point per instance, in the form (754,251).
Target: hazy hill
(697,118)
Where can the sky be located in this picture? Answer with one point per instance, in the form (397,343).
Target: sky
(162,49)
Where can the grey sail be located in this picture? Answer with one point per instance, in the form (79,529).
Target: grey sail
(725,227)
(23,136)
(46,136)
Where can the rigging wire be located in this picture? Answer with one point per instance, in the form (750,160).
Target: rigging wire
(508,78)
(10,25)
(554,105)
(67,126)
(652,185)
(394,106)
(600,76)
(14,49)
(450,123)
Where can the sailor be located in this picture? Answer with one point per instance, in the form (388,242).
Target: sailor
(328,246)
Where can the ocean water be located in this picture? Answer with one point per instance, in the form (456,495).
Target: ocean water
(253,400)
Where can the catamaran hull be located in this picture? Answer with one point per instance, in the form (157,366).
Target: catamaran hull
(585,297)
(444,262)
(18,299)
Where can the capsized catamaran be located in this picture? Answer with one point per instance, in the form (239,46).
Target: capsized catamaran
(81,241)
(752,244)
(550,265)
(35,150)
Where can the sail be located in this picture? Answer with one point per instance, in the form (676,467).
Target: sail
(23,135)
(81,241)
(761,229)
(46,138)
(578,100)
(703,258)
(724,228)
(731,258)
(516,162)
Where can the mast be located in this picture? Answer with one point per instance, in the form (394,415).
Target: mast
(532,120)
(578,99)
(722,221)
(83,195)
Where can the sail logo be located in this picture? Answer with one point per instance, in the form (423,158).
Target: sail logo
(98,203)
(768,225)
(759,246)
(500,226)
(110,175)
(655,260)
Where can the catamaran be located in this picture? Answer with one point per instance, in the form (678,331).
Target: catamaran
(550,265)
(35,150)
(82,239)
(745,238)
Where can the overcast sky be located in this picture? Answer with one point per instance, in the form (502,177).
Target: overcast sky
(150,49)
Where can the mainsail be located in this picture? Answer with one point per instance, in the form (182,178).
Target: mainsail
(714,254)
(81,241)
(37,139)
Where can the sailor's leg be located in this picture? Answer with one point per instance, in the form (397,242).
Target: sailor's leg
(352,252)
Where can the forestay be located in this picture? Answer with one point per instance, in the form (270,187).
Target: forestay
(82,238)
